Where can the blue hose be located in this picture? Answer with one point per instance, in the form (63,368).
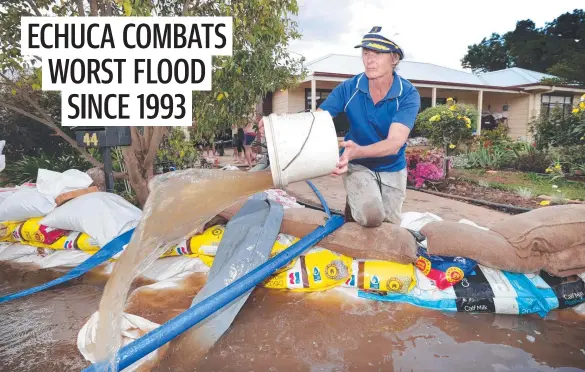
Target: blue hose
(153,340)
(321,198)
(105,253)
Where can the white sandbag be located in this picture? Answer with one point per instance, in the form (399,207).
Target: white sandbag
(174,268)
(53,184)
(2,157)
(25,203)
(416,220)
(101,215)
(13,252)
(39,255)
(133,327)
(63,260)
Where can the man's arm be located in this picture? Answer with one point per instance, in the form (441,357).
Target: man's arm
(397,136)
(402,124)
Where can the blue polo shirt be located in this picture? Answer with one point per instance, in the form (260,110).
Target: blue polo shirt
(371,123)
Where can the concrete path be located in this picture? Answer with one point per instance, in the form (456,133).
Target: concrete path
(452,210)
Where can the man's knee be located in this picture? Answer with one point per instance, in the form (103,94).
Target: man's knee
(369,214)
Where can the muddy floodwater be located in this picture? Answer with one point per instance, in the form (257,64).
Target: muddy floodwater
(284,331)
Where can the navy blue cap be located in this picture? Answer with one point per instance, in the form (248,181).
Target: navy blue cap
(377,40)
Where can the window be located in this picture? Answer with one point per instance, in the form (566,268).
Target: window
(550,102)
(426,102)
(340,121)
(321,95)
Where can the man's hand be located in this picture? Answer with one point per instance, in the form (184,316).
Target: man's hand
(350,153)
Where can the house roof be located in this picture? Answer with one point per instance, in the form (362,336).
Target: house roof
(513,77)
(340,65)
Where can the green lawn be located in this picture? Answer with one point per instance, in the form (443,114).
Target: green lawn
(512,181)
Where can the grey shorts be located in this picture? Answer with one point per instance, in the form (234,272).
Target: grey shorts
(374,197)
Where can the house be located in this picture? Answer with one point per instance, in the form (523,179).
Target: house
(516,95)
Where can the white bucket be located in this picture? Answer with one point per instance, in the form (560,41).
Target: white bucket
(300,146)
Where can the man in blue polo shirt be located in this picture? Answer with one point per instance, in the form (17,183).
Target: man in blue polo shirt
(381,107)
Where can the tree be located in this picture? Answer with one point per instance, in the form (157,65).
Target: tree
(489,55)
(558,48)
(260,63)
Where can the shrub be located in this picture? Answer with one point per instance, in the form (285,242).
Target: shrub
(26,169)
(558,128)
(494,137)
(529,159)
(572,158)
(424,165)
(446,124)
(487,158)
(177,150)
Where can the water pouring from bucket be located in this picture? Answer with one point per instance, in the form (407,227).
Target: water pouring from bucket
(300,146)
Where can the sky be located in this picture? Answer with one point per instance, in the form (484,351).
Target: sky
(428,31)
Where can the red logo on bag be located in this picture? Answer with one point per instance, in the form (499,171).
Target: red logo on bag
(423,265)
(454,274)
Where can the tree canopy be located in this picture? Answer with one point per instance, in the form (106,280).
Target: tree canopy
(558,48)
(260,63)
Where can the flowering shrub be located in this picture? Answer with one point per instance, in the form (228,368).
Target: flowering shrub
(424,165)
(448,125)
(557,128)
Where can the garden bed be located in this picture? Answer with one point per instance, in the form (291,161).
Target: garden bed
(524,190)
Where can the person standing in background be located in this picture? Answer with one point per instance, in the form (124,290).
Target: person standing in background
(249,136)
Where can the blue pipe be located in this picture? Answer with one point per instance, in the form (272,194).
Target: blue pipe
(105,253)
(321,198)
(153,340)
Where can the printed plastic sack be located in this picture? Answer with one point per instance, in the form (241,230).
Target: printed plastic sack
(570,291)
(203,244)
(6,230)
(33,231)
(485,290)
(73,240)
(317,270)
(381,276)
(444,271)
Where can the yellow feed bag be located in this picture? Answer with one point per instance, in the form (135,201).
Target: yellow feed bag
(6,230)
(317,270)
(381,276)
(32,233)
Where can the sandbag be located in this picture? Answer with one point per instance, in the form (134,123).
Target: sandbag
(53,184)
(25,203)
(133,327)
(567,262)
(546,230)
(101,215)
(387,242)
(486,247)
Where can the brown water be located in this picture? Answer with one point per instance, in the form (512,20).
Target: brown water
(179,205)
(274,331)
(285,331)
